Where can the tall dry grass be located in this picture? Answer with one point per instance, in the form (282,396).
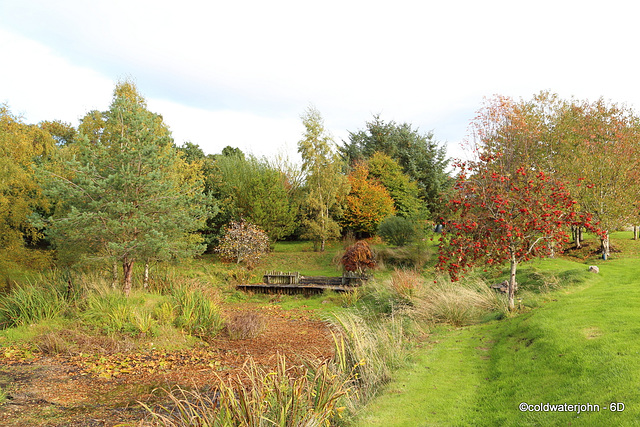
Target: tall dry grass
(405,283)
(245,325)
(371,347)
(457,303)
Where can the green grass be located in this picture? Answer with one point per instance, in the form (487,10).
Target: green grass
(580,345)
(300,256)
(575,341)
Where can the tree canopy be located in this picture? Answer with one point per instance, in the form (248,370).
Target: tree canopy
(22,147)
(368,202)
(505,217)
(421,157)
(129,195)
(592,146)
(253,190)
(325,183)
(402,189)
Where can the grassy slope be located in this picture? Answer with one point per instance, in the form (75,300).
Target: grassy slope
(581,346)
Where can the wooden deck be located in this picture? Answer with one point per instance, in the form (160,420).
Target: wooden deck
(292,283)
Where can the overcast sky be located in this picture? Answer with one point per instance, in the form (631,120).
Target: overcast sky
(241,73)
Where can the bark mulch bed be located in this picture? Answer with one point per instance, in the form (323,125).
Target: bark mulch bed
(104,389)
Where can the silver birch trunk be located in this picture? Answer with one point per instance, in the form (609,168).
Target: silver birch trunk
(145,280)
(512,283)
(605,246)
(114,275)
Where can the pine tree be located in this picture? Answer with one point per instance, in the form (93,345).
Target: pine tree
(130,196)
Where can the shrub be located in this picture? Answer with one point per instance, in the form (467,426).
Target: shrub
(245,326)
(358,257)
(243,242)
(397,231)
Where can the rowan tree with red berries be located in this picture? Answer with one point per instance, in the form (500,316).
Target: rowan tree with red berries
(497,217)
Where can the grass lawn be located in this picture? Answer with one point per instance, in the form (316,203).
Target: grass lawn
(581,345)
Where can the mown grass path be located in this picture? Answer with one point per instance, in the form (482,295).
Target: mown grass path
(580,347)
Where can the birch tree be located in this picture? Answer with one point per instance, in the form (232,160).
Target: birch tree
(326,185)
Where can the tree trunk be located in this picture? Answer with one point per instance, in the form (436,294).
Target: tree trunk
(127,269)
(635,232)
(576,233)
(69,288)
(145,281)
(114,275)
(605,246)
(512,284)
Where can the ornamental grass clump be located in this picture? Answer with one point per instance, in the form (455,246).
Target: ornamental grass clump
(372,347)
(457,303)
(31,303)
(245,325)
(405,283)
(195,312)
(287,395)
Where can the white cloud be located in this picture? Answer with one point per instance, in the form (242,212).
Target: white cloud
(213,130)
(240,73)
(40,85)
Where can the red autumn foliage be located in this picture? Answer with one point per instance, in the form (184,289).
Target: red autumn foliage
(497,217)
(358,257)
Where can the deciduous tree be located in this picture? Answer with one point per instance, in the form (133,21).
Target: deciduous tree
(325,183)
(601,157)
(592,146)
(22,147)
(419,155)
(252,189)
(193,155)
(368,202)
(402,189)
(505,217)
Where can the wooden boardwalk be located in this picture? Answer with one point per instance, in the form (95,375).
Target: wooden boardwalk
(293,282)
